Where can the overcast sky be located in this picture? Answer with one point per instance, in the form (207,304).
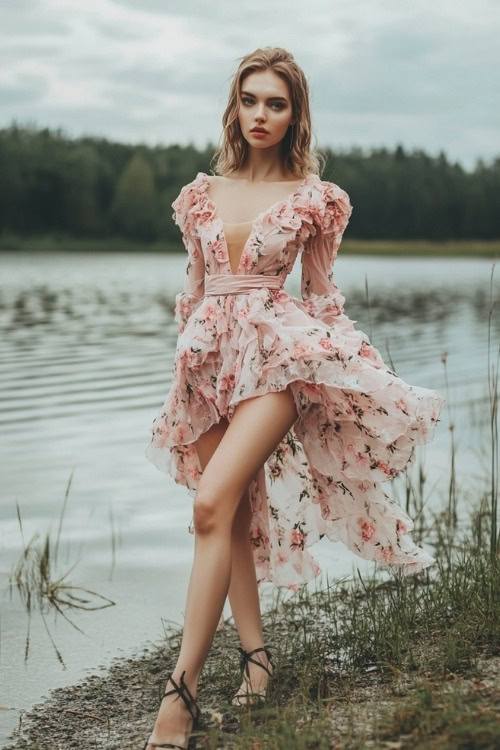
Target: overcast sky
(423,73)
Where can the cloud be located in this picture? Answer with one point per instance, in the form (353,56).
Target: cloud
(380,72)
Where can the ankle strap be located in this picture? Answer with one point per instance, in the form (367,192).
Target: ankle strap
(185,694)
(246,657)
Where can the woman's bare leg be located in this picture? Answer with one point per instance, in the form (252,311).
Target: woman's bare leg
(172,725)
(245,602)
(256,428)
(243,591)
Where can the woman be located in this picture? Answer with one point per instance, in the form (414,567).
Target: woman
(282,420)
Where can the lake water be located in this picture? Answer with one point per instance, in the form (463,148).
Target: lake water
(86,351)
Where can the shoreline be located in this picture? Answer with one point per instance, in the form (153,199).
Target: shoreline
(370,707)
(380,247)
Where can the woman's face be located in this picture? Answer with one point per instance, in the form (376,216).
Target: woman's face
(264,103)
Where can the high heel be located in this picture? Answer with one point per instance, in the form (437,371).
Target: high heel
(182,690)
(245,658)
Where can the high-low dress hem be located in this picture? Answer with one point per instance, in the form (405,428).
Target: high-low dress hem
(358,423)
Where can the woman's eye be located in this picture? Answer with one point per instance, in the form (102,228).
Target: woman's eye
(248,101)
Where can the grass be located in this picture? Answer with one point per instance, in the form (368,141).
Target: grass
(434,718)
(41,588)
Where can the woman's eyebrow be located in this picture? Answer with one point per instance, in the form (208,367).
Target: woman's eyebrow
(274,98)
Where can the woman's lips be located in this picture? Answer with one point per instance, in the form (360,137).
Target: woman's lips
(258,133)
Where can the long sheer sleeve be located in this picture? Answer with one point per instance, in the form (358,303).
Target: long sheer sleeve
(323,298)
(191,295)
(187,300)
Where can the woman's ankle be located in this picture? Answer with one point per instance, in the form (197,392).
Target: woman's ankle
(260,652)
(190,679)
(263,665)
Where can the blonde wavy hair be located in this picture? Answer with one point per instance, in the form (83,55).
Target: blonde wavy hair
(296,155)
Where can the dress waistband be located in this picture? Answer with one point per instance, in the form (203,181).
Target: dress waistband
(239,283)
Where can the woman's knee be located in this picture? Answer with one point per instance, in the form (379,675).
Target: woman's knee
(209,511)
(204,511)
(257,426)
(212,510)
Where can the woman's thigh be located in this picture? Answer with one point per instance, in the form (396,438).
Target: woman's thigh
(208,442)
(257,427)
(205,447)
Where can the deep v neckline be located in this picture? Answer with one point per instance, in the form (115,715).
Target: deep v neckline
(254,224)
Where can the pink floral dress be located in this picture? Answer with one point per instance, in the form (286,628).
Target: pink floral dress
(358,422)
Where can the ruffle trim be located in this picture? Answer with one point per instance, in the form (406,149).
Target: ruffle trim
(338,490)
(326,207)
(317,203)
(325,307)
(185,204)
(184,306)
(366,419)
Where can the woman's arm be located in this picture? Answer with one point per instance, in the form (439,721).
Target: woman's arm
(193,290)
(191,296)
(323,298)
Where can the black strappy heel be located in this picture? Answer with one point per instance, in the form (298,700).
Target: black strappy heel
(182,690)
(245,658)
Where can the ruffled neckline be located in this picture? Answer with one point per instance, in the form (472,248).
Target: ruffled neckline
(281,214)
(315,203)
(288,200)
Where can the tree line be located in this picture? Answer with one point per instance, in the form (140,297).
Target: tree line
(93,187)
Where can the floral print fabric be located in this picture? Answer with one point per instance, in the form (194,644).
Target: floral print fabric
(358,422)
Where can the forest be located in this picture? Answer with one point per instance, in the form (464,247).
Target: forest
(92,187)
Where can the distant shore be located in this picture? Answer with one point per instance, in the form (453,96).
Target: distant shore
(402,248)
